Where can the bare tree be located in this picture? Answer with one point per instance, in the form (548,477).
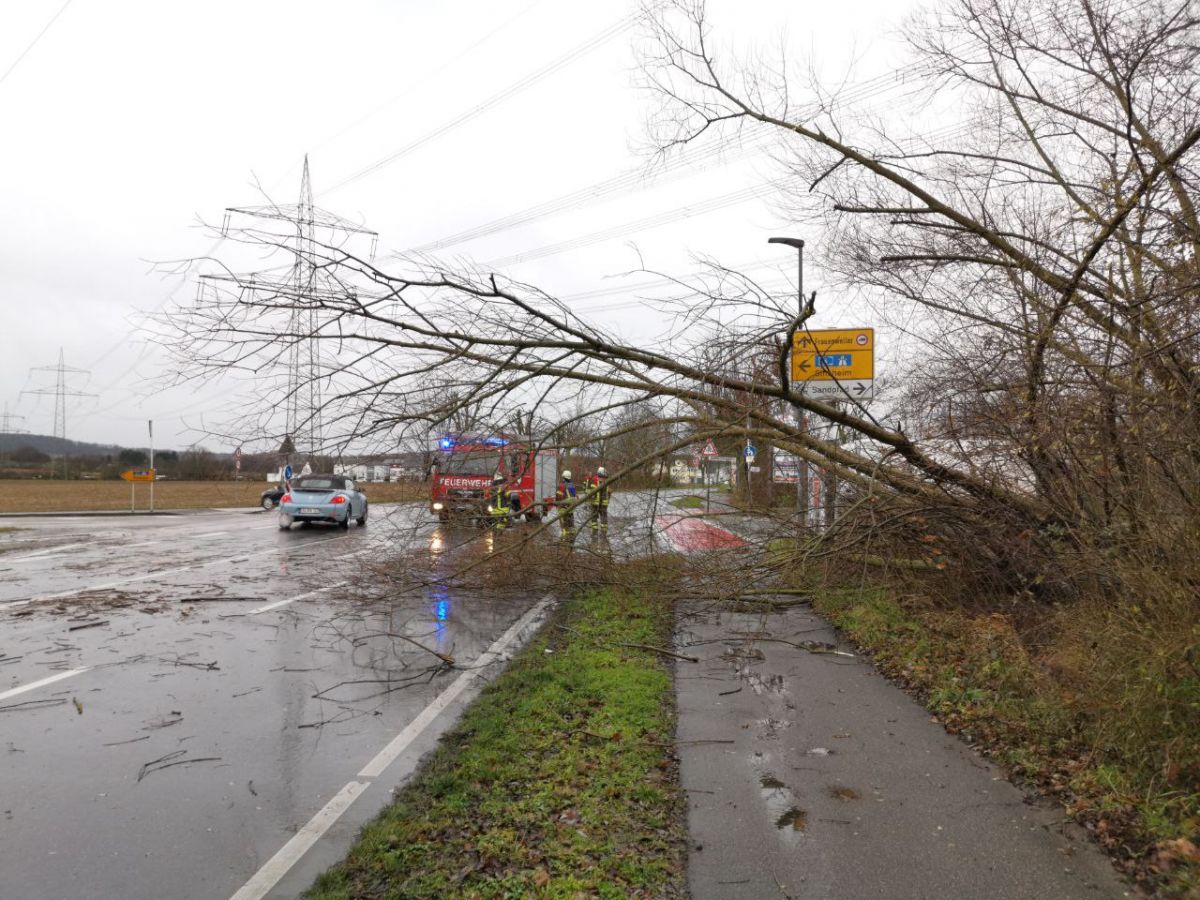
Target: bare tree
(1054,235)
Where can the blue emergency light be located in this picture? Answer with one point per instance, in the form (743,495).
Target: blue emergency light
(449,443)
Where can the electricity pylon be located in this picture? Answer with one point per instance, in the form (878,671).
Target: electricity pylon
(304,292)
(7,431)
(60,393)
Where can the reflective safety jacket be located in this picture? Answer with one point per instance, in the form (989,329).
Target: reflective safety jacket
(599,488)
(498,498)
(566,491)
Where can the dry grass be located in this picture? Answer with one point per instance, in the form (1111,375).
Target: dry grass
(71,496)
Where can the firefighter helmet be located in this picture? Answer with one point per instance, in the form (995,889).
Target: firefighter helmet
(566,475)
(498,477)
(602,472)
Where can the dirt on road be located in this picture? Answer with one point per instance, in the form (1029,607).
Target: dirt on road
(73,496)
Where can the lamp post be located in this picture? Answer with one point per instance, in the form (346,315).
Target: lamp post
(802,465)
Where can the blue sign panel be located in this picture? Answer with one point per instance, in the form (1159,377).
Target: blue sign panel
(835,360)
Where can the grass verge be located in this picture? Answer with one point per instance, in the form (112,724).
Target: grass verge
(689,502)
(558,781)
(974,672)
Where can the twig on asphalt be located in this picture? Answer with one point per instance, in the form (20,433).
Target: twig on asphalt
(87,625)
(664,652)
(393,684)
(144,737)
(173,755)
(221,599)
(34,704)
(179,762)
(361,639)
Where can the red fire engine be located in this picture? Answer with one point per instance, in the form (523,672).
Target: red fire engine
(463,467)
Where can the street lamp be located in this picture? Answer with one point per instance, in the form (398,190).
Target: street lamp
(799,245)
(802,465)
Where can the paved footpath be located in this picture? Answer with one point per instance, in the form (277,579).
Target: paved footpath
(809,775)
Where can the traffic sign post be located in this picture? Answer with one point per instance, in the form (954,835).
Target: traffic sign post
(133,476)
(835,362)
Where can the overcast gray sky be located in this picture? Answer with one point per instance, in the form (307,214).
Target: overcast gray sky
(127,122)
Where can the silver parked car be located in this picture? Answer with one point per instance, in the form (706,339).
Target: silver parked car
(323,498)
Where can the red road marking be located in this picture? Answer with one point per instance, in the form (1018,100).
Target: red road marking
(689,534)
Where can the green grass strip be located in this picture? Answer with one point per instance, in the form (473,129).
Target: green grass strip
(559,779)
(691,501)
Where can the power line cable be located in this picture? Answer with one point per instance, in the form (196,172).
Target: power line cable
(663,218)
(34,42)
(513,89)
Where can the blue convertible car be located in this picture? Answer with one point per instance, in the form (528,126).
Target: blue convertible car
(323,498)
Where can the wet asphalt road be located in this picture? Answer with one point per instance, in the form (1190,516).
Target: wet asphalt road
(181,744)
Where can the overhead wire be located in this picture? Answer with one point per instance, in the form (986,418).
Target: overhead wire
(34,42)
(663,218)
(560,62)
(903,79)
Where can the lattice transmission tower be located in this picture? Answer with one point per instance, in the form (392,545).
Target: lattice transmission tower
(6,422)
(303,289)
(8,432)
(61,391)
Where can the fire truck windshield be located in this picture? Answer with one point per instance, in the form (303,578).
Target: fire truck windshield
(469,463)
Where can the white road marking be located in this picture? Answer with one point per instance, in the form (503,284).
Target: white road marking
(49,550)
(212,534)
(278,865)
(279,603)
(37,558)
(141,544)
(400,742)
(289,854)
(13,692)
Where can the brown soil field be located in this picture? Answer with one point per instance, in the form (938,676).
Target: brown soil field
(73,496)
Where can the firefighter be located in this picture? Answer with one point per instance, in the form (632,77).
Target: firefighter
(598,490)
(566,499)
(498,502)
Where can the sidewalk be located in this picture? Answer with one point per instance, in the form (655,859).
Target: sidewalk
(809,775)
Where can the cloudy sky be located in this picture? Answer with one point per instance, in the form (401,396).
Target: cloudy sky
(127,124)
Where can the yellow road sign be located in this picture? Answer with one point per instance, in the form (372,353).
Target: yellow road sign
(138,474)
(836,354)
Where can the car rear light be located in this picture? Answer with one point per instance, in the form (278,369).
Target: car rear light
(286,498)
(338,499)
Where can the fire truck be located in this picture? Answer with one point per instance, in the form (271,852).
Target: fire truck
(463,466)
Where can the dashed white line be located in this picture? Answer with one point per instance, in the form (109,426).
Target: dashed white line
(48,551)
(212,534)
(13,692)
(289,854)
(278,603)
(278,865)
(37,558)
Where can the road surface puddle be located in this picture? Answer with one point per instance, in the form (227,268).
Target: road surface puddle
(780,804)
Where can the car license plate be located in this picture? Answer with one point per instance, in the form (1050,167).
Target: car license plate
(309,511)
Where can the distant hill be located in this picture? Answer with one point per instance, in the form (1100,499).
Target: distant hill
(56,446)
